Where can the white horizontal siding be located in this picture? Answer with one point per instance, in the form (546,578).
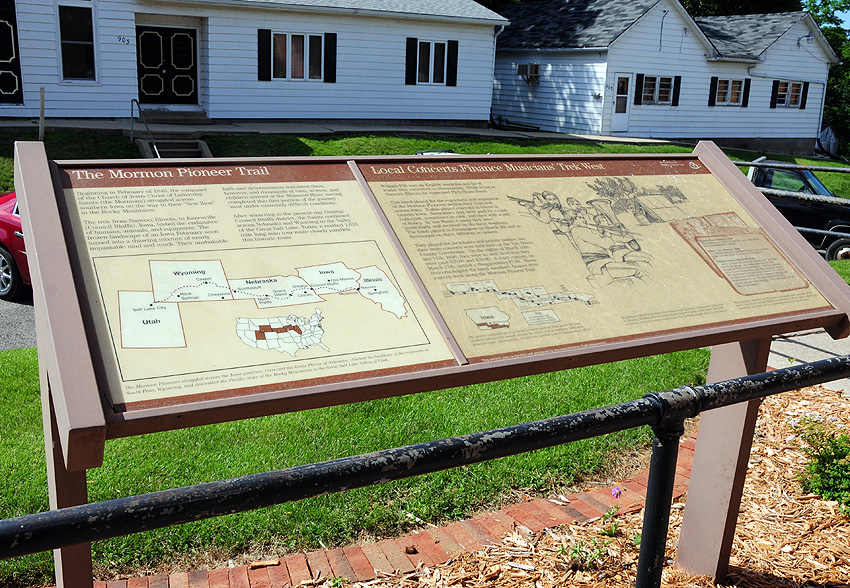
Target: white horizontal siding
(662,43)
(651,50)
(370,73)
(370,65)
(562,101)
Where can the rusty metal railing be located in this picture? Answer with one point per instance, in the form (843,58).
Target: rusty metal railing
(664,411)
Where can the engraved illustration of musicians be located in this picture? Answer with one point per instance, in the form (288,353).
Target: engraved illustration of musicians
(610,252)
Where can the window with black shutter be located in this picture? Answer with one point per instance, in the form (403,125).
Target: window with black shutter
(430,62)
(296,56)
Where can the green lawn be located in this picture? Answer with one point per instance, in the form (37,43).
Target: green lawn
(178,458)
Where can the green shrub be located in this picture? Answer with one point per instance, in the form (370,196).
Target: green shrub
(827,472)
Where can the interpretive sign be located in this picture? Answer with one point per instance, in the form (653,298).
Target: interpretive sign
(176,293)
(536,255)
(283,284)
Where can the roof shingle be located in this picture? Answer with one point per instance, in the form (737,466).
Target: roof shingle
(568,24)
(440,9)
(747,36)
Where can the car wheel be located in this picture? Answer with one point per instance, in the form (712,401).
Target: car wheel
(838,249)
(10,278)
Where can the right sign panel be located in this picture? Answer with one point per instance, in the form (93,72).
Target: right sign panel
(530,256)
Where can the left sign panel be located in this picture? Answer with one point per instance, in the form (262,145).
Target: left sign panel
(209,281)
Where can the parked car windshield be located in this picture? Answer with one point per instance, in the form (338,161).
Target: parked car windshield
(816,184)
(794,181)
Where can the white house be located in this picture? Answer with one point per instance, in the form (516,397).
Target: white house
(249,59)
(645,68)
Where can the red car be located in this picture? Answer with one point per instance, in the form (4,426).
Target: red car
(14,270)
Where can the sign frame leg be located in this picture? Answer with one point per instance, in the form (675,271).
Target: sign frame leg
(72,565)
(719,468)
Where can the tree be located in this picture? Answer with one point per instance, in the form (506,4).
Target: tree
(836,110)
(825,12)
(729,7)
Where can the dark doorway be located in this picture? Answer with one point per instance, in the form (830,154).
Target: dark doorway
(168,65)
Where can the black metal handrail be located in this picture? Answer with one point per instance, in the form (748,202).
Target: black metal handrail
(793,166)
(134,102)
(664,411)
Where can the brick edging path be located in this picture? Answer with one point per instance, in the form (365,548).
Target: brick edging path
(429,546)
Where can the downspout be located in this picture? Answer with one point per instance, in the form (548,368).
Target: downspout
(493,88)
(496,38)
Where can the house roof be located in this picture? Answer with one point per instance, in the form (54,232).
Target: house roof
(465,10)
(748,36)
(569,24)
(584,24)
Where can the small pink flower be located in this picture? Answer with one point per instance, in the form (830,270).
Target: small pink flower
(616,492)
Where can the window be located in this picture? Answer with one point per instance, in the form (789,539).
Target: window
(296,56)
(431,62)
(657,90)
(76,35)
(788,94)
(729,92)
(663,90)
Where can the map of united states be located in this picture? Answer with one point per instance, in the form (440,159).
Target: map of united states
(284,334)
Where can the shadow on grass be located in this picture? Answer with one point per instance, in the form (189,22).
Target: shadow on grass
(252,145)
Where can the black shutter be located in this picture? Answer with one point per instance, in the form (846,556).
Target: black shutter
(451,64)
(410,59)
(330,58)
(745,99)
(677,89)
(638,89)
(804,95)
(774,93)
(712,91)
(264,55)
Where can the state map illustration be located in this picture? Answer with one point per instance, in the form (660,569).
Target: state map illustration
(151,319)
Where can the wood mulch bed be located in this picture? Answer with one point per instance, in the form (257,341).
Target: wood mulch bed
(784,538)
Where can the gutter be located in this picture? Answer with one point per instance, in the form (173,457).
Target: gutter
(603,48)
(766,77)
(717,58)
(294,7)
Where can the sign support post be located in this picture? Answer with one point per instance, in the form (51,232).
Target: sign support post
(720,465)
(73,565)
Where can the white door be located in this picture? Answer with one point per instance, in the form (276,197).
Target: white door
(622,103)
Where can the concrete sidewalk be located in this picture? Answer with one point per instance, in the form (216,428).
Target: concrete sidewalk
(806,347)
(123,125)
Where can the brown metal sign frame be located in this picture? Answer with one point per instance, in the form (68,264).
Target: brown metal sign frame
(80,417)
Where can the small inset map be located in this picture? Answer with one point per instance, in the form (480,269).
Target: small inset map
(489,318)
(284,334)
